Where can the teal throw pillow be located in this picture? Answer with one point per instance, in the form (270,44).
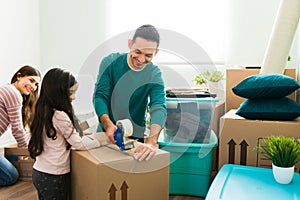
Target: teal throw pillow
(266,86)
(269,109)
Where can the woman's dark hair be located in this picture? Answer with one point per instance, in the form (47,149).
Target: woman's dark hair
(54,95)
(28,100)
(147,32)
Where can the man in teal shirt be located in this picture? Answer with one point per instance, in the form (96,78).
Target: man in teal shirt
(126,84)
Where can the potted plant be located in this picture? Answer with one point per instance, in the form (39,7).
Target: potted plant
(212,78)
(284,153)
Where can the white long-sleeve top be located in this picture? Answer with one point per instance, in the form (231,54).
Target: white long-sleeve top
(11,113)
(55,159)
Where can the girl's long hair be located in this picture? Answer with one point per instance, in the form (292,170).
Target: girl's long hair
(54,95)
(28,100)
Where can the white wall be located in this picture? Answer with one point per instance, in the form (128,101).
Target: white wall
(70,30)
(19,36)
(20,41)
(249,25)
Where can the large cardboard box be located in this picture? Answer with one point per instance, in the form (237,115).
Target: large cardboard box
(104,173)
(234,76)
(239,136)
(20,158)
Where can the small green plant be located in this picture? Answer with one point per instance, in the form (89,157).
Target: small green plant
(199,79)
(213,76)
(283,151)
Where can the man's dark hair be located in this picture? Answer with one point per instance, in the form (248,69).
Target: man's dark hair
(147,32)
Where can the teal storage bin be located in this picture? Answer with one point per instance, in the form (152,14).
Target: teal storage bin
(238,182)
(190,166)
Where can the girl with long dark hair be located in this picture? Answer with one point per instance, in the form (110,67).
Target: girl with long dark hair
(53,132)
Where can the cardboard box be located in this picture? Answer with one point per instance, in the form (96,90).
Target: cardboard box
(218,113)
(19,157)
(239,136)
(235,76)
(104,173)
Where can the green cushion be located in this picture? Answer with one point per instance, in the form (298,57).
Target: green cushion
(266,86)
(269,109)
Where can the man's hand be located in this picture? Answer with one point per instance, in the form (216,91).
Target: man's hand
(144,152)
(109,127)
(110,133)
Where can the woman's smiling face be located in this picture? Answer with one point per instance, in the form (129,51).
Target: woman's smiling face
(27,84)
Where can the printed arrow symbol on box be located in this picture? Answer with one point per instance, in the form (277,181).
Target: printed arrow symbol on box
(112,192)
(243,155)
(124,188)
(231,152)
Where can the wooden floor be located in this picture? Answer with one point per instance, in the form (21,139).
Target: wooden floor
(24,190)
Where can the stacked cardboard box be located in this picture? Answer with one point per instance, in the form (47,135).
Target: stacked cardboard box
(239,137)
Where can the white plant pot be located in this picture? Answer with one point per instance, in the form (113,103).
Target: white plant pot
(213,87)
(283,175)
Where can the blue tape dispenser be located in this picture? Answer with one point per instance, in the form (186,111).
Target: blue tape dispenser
(124,130)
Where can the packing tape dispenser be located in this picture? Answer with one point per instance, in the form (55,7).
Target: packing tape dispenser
(124,130)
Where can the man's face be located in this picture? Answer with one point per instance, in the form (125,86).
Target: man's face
(141,52)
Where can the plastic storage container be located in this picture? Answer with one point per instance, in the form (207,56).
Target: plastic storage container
(189,118)
(190,166)
(236,182)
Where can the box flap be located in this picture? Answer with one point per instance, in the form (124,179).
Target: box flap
(124,162)
(231,115)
